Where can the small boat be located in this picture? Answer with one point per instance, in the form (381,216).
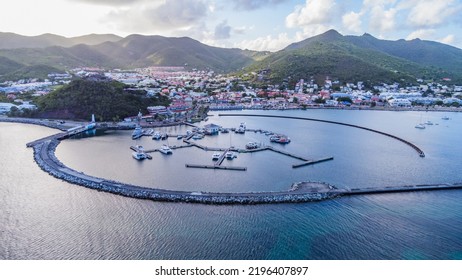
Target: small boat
(164,136)
(216,156)
(156,136)
(165,150)
(230,155)
(420,126)
(179,137)
(428,123)
(281,139)
(137,133)
(225,130)
(445,118)
(251,145)
(198,136)
(148,132)
(139,155)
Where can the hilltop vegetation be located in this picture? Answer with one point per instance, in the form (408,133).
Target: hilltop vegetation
(107,99)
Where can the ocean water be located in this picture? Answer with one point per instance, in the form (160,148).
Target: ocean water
(45,218)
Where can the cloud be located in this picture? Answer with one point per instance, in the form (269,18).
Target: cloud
(267,43)
(313,12)
(352,21)
(425,34)
(160,16)
(254,4)
(428,13)
(109,2)
(222,31)
(450,39)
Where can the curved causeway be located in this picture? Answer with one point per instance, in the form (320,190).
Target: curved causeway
(417,149)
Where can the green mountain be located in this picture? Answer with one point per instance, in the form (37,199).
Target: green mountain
(346,58)
(15,41)
(354,58)
(107,99)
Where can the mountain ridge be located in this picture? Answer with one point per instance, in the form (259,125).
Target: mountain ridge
(345,57)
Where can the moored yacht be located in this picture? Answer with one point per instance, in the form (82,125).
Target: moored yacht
(139,155)
(137,133)
(165,150)
(420,126)
(216,156)
(230,155)
(156,135)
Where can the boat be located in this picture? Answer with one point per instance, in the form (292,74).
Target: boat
(216,156)
(156,136)
(164,136)
(224,130)
(137,133)
(230,155)
(445,118)
(241,129)
(420,126)
(251,145)
(281,139)
(148,132)
(165,150)
(198,136)
(428,123)
(139,155)
(179,137)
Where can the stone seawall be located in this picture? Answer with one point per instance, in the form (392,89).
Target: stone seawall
(44,155)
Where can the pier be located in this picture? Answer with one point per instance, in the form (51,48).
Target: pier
(417,149)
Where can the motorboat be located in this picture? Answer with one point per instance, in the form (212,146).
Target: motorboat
(216,156)
(445,118)
(281,139)
(137,133)
(164,136)
(165,149)
(420,126)
(428,123)
(179,137)
(198,136)
(251,145)
(156,136)
(139,155)
(230,155)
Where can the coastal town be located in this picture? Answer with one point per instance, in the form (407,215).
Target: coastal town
(187,90)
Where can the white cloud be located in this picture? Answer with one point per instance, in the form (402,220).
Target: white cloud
(267,43)
(222,31)
(313,12)
(160,16)
(429,13)
(425,34)
(382,20)
(352,21)
(450,39)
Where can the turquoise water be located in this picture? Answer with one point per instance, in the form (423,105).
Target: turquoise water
(45,218)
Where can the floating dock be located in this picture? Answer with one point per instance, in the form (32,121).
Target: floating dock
(220,167)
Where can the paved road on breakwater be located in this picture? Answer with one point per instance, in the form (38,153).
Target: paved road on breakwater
(417,149)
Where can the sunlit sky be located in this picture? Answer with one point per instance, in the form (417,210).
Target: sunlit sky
(248,24)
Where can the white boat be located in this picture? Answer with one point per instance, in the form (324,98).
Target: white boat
(230,155)
(445,118)
(251,145)
(137,133)
(156,136)
(216,156)
(139,155)
(241,129)
(428,123)
(198,136)
(165,150)
(420,126)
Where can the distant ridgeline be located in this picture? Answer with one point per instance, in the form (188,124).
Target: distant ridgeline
(344,58)
(107,99)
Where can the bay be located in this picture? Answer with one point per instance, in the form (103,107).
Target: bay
(45,218)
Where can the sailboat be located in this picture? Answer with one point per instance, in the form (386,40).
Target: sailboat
(420,125)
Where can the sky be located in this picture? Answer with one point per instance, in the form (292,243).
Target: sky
(247,24)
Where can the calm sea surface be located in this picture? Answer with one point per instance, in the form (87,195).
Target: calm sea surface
(45,218)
